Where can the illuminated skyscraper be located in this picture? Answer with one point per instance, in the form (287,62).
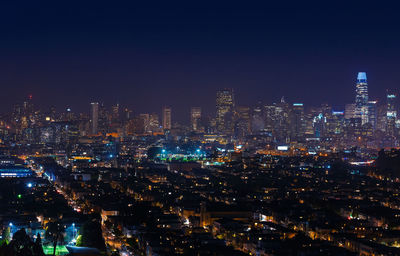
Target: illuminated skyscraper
(391,113)
(319,125)
(361,109)
(154,123)
(281,122)
(115,112)
(297,122)
(372,114)
(103,120)
(257,120)
(242,124)
(166,118)
(225,105)
(195,116)
(94,118)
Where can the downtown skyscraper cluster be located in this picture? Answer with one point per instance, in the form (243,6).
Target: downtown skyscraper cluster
(364,123)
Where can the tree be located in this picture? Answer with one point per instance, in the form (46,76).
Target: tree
(21,245)
(38,249)
(7,235)
(91,235)
(55,233)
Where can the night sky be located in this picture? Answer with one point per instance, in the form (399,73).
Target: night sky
(146,56)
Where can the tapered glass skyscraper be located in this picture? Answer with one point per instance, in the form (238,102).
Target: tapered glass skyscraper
(361,109)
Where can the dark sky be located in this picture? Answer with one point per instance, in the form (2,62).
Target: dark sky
(145,56)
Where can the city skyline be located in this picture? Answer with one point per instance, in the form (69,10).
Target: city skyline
(228,128)
(183,115)
(130,53)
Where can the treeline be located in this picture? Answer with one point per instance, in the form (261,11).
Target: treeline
(388,163)
(21,245)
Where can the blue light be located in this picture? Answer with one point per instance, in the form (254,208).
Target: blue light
(29,185)
(163,150)
(111,155)
(10,224)
(362,76)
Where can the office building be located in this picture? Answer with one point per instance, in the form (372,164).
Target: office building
(372,114)
(297,122)
(391,113)
(361,107)
(350,111)
(225,105)
(195,118)
(94,118)
(166,118)
(242,121)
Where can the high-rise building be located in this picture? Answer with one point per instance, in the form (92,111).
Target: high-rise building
(361,109)
(94,118)
(372,114)
(319,125)
(391,113)
(257,119)
(335,124)
(297,122)
(225,104)
(166,118)
(104,118)
(115,112)
(127,114)
(154,123)
(137,125)
(195,117)
(281,122)
(381,118)
(350,111)
(242,122)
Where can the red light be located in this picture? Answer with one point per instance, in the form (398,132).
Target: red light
(30,96)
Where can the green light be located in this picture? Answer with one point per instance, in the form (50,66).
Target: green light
(60,250)
(19,196)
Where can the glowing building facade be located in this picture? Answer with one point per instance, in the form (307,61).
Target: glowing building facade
(361,107)
(94,118)
(166,118)
(225,104)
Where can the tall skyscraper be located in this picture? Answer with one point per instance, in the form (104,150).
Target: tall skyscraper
(94,118)
(361,110)
(225,104)
(195,116)
(154,123)
(391,113)
(146,122)
(319,125)
(257,120)
(115,112)
(297,122)
(281,122)
(104,120)
(242,124)
(166,118)
(372,114)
